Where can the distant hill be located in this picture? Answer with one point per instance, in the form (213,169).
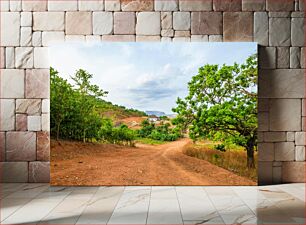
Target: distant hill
(116,112)
(155,113)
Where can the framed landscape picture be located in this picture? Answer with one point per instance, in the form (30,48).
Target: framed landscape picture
(154,114)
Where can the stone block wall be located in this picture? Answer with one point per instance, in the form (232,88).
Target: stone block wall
(28,27)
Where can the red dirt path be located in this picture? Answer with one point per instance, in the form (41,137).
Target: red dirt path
(75,163)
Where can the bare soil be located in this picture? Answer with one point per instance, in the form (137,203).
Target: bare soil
(76,163)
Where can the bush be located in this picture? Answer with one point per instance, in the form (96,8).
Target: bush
(220,147)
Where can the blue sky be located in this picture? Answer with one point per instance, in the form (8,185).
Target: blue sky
(145,76)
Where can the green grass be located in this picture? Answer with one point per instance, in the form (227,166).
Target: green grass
(149,141)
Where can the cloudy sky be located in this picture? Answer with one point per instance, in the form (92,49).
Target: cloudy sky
(145,76)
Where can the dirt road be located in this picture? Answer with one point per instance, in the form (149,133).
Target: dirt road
(74,163)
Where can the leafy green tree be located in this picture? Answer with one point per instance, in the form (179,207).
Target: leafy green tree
(222,104)
(61,95)
(87,99)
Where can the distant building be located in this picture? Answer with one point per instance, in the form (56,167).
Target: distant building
(153,118)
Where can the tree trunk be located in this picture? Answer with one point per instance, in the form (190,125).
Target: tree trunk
(57,131)
(250,154)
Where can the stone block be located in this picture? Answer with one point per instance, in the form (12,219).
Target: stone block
(181,39)
(78,23)
(49,21)
(37,39)
(196,5)
(238,26)
(26,19)
(261,28)
(112,5)
(124,22)
(280,5)
(28,106)
(285,115)
(14,172)
(199,38)
(206,23)
(300,138)
(263,121)
(45,106)
(260,136)
(91,5)
(181,21)
(295,57)
(20,146)
(283,57)
(10,57)
(37,83)
(279,14)
(302,5)
(167,33)
(52,37)
(15,6)
(137,5)
(266,153)
(34,123)
(21,122)
(293,172)
(253,5)
(45,122)
(297,32)
(263,105)
(275,136)
(166,20)
(265,173)
(228,5)
(58,5)
(166,5)
(7,114)
(116,38)
(10,29)
(25,36)
(300,153)
(5,5)
(281,83)
(75,38)
(284,151)
(290,136)
(147,38)
(39,172)
(12,83)
(2,146)
(215,38)
(279,32)
(143,27)
(277,174)
(267,57)
(182,33)
(34,5)
(2,57)
(102,23)
(43,146)
(41,57)
(24,57)
(297,14)
(303,58)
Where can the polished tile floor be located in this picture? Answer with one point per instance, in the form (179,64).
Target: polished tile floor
(41,204)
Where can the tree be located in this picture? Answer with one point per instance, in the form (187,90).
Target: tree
(60,96)
(222,104)
(88,95)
